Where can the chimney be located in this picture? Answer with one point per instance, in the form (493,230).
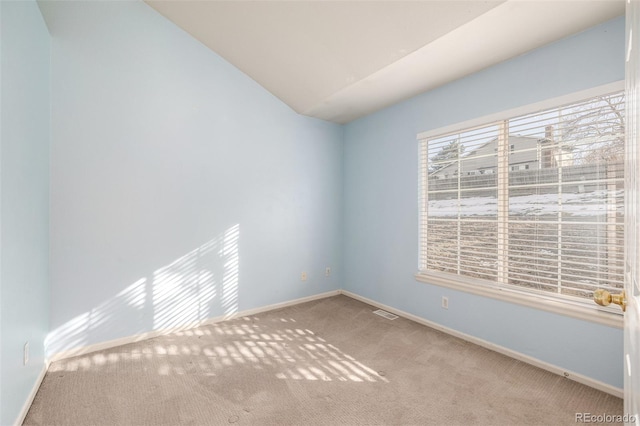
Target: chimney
(548,132)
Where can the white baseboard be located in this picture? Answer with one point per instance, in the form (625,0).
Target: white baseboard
(32,394)
(155,333)
(580,378)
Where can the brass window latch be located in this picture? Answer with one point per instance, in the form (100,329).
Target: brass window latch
(604,298)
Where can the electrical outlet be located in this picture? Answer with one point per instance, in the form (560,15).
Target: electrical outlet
(303,276)
(327,271)
(445,302)
(25,354)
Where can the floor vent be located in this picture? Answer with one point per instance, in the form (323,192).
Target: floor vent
(385,314)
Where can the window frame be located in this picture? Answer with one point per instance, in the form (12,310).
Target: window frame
(564,306)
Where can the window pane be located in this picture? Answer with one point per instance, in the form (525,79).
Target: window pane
(461,205)
(566,209)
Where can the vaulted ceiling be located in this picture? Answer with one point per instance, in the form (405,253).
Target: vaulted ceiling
(340,60)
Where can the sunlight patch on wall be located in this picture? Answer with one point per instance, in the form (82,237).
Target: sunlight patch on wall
(76,332)
(230,256)
(184,290)
(191,289)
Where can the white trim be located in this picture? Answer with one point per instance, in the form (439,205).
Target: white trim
(155,333)
(554,305)
(580,378)
(525,109)
(34,390)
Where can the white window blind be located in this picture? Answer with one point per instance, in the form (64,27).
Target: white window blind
(533,203)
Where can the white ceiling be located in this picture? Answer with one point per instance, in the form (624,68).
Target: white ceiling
(340,60)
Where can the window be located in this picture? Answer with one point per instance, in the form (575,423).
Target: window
(552,228)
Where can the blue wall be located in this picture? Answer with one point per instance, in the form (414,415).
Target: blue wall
(24,199)
(381,207)
(181,189)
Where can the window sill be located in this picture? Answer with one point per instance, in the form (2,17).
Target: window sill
(574,310)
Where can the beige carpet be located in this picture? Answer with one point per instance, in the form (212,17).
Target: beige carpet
(327,362)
